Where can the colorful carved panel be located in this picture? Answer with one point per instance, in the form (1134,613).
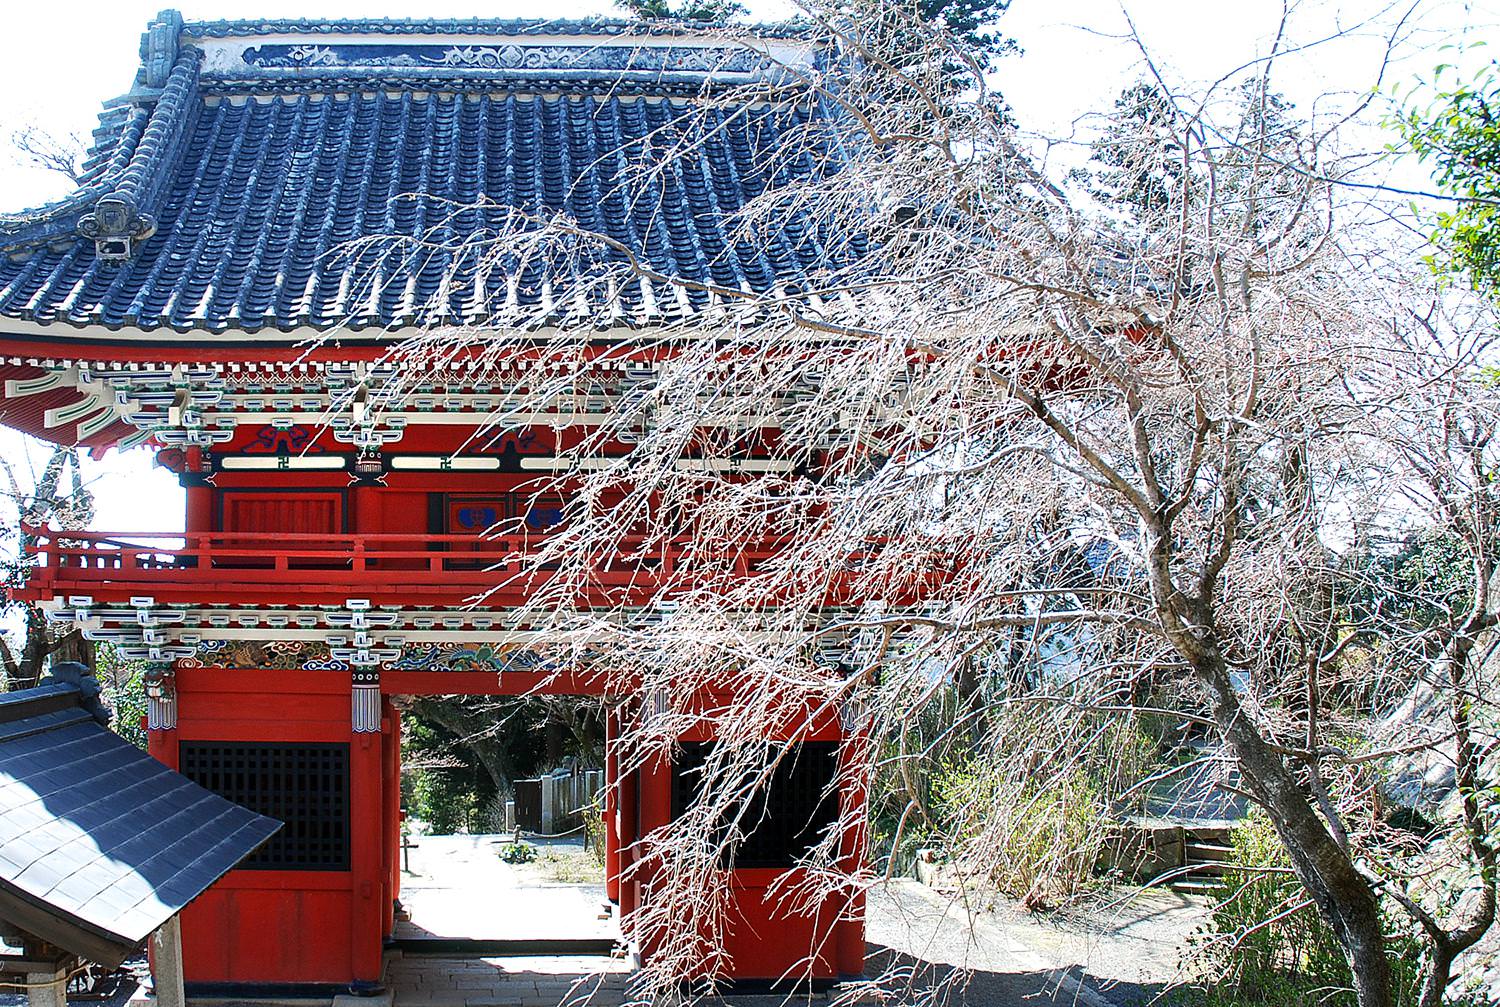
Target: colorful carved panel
(518,510)
(300,655)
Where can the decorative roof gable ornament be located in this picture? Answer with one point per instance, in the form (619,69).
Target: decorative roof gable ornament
(159,48)
(117,227)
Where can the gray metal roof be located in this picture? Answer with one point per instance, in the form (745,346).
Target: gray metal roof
(99,843)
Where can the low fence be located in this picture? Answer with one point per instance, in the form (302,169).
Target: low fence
(555,803)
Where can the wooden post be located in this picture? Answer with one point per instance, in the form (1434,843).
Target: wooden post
(166,958)
(849,931)
(612,829)
(548,789)
(366,862)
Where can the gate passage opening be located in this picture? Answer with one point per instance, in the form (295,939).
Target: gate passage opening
(503,847)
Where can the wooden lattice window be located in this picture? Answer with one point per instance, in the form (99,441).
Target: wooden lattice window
(304,785)
(783,820)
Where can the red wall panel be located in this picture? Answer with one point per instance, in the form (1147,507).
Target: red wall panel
(299,513)
(267,935)
(276,927)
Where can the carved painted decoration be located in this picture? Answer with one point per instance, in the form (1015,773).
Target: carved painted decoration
(477,514)
(296,439)
(300,655)
(510,55)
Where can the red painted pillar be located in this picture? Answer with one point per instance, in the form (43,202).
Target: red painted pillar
(654,802)
(161,724)
(611,806)
(390,816)
(366,837)
(162,746)
(629,817)
(199,517)
(849,933)
(393,805)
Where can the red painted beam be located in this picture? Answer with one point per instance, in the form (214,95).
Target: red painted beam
(490,683)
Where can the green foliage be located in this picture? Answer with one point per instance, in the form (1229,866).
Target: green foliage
(594,827)
(444,798)
(461,754)
(1040,835)
(1139,168)
(445,783)
(971,21)
(1457,134)
(899,830)
(1266,945)
(1036,836)
(701,11)
(1139,165)
(1422,582)
(123,690)
(1396,596)
(517,853)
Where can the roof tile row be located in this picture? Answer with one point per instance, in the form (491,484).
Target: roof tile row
(380,208)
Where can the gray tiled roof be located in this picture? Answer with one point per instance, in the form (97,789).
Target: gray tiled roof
(252,157)
(99,843)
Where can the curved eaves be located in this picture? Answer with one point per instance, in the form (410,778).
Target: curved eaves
(130,164)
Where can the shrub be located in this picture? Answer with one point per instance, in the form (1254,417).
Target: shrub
(1266,946)
(517,853)
(442,798)
(124,692)
(1038,836)
(593,832)
(1036,841)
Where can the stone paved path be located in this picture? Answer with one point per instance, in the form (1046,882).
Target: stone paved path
(432,981)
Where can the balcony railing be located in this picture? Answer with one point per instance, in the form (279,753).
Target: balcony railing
(272,568)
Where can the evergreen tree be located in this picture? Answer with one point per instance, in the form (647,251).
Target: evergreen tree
(701,11)
(1138,163)
(1458,136)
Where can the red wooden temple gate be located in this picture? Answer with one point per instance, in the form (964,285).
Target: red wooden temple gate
(191,296)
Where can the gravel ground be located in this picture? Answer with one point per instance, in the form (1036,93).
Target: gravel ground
(1117,954)
(928,946)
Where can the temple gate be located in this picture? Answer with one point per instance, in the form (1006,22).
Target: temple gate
(191,295)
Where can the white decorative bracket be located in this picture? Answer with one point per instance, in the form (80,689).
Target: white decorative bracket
(360,648)
(364,708)
(161,700)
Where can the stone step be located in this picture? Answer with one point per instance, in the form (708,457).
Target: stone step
(1197,886)
(1199,850)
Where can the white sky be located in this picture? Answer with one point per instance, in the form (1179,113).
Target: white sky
(58,61)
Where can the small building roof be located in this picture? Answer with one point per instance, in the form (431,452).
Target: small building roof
(230,190)
(100,844)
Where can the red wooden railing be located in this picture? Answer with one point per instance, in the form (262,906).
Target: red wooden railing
(269,568)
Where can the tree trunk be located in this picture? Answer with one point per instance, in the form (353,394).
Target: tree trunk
(74,646)
(1336,887)
(33,652)
(475,731)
